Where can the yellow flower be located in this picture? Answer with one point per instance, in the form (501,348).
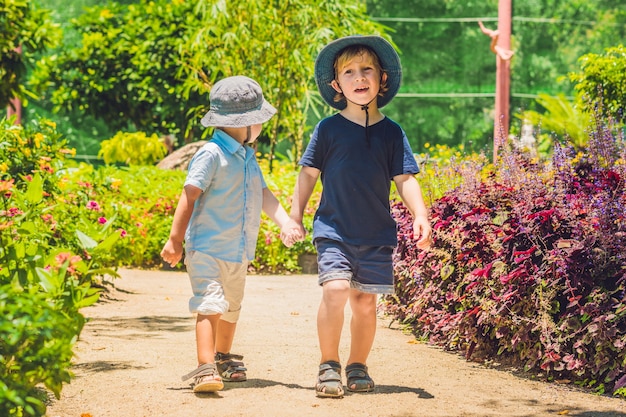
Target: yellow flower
(4,167)
(38,139)
(49,123)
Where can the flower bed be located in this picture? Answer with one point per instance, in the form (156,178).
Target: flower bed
(528,265)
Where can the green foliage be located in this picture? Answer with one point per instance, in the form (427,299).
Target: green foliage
(146,65)
(21,25)
(53,247)
(602,79)
(275,43)
(132,149)
(125,69)
(36,340)
(559,117)
(441,55)
(140,201)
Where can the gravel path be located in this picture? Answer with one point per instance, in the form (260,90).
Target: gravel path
(140,340)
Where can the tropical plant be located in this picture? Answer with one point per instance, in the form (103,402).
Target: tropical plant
(601,82)
(561,118)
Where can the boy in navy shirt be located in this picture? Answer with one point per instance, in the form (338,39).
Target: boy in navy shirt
(357,152)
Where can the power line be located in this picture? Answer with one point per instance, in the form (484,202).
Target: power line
(490,19)
(466,95)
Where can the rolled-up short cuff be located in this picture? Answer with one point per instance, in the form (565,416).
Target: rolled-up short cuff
(201,305)
(334,275)
(372,288)
(232,316)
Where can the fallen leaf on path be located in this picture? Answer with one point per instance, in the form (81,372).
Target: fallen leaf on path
(563,413)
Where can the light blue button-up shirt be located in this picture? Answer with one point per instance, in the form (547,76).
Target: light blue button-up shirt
(226,217)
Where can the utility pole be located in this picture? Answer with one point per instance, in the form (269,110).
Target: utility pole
(501,46)
(15,105)
(503,77)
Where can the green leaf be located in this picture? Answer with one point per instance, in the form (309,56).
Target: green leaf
(108,243)
(86,242)
(446,271)
(34,194)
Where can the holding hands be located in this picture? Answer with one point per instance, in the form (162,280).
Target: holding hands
(292,232)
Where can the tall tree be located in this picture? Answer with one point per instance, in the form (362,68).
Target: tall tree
(275,43)
(149,66)
(21,25)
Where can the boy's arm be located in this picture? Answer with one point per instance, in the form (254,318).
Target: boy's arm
(302,192)
(276,212)
(273,208)
(173,250)
(411,194)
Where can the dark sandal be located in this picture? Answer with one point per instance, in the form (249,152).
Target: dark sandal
(359,378)
(230,370)
(205,378)
(329,380)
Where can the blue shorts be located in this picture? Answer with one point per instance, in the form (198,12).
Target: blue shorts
(368,268)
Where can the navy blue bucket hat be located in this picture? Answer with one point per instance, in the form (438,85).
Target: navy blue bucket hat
(325,70)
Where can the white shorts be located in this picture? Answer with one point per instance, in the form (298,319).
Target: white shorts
(217,285)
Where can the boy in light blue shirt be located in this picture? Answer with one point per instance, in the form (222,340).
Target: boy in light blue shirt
(218,216)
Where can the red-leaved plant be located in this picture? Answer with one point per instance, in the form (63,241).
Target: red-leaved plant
(528,265)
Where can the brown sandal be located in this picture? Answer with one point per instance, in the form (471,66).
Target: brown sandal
(329,380)
(205,378)
(230,370)
(359,378)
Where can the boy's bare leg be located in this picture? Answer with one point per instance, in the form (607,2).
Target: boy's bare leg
(225,336)
(223,344)
(362,325)
(330,318)
(206,328)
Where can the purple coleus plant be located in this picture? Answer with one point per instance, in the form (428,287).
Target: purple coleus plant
(528,265)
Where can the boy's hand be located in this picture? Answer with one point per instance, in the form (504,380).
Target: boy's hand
(422,228)
(172,252)
(292,232)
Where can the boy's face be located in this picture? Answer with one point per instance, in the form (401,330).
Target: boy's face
(255,131)
(359,79)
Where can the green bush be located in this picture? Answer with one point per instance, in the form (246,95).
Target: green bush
(52,248)
(36,340)
(132,149)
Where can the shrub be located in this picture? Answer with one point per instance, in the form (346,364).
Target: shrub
(132,149)
(528,265)
(52,249)
(36,340)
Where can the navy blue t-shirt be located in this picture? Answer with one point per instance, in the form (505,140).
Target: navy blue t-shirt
(356,178)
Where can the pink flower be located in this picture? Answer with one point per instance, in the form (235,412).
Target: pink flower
(122,232)
(102,220)
(93,205)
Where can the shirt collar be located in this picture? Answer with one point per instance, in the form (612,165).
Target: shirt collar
(226,141)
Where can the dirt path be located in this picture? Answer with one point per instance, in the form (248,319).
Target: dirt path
(137,345)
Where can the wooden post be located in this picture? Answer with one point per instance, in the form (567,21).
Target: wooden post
(503,77)
(15,105)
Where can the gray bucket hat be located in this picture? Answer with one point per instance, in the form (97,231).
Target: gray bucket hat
(237,102)
(325,71)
